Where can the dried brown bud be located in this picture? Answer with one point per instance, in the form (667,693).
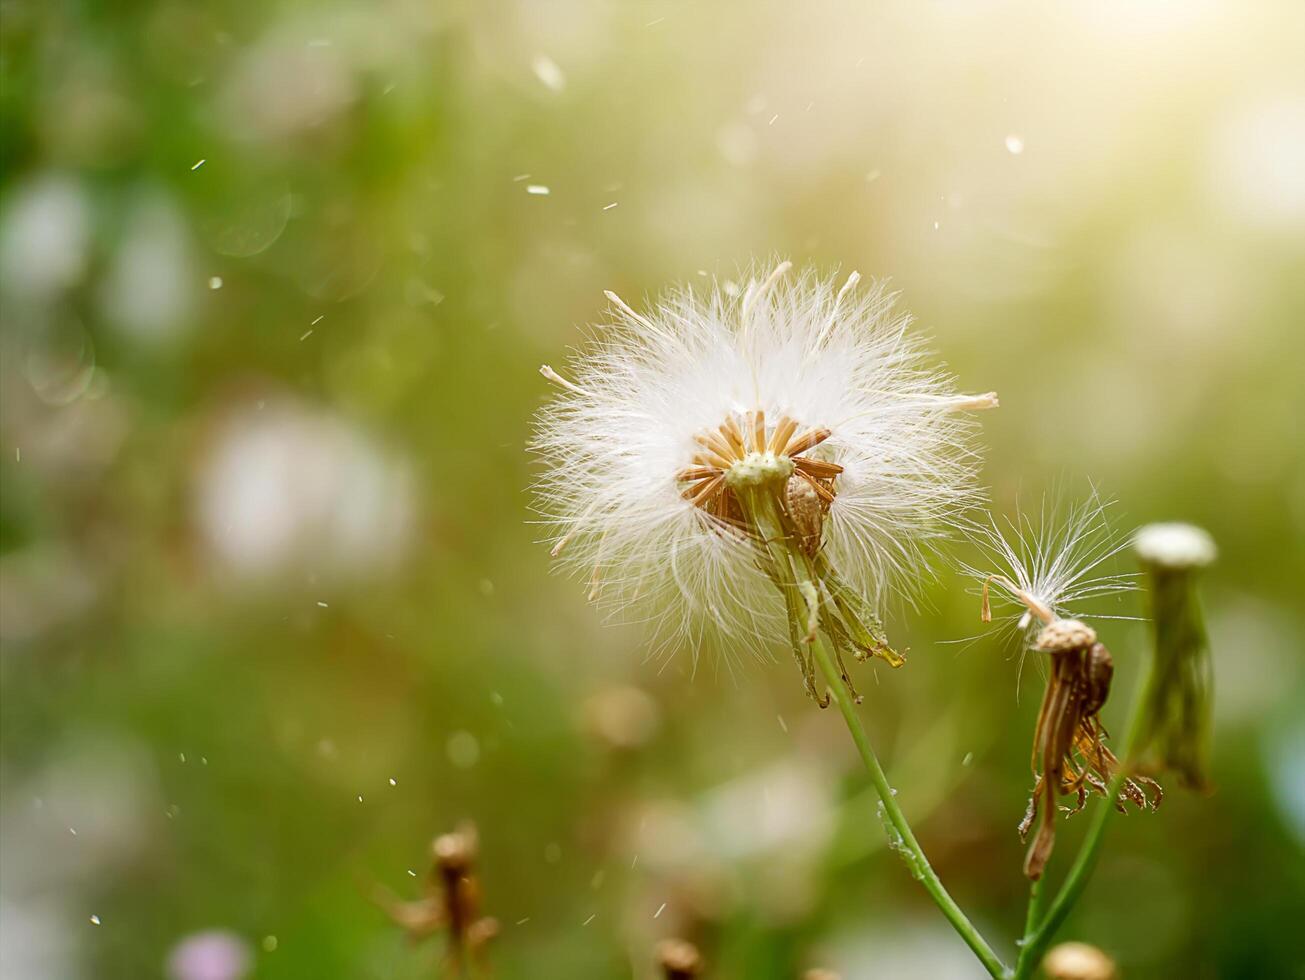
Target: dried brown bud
(1078,961)
(679,959)
(454,853)
(1066,634)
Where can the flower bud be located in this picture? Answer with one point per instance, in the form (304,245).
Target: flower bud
(1175,731)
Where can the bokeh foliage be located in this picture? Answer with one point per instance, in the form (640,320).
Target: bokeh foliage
(264,539)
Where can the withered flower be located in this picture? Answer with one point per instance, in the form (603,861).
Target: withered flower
(1045,567)
(451,901)
(1070,756)
(1175,730)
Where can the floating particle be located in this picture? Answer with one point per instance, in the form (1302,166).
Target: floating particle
(539,190)
(660,910)
(969,757)
(522,922)
(199,163)
(323,604)
(318,320)
(590,919)
(1015,144)
(95,920)
(306,335)
(411,873)
(520,177)
(269,944)
(548,72)
(214,282)
(360,798)
(773,119)
(393,782)
(181,756)
(72,831)
(782,723)
(608,207)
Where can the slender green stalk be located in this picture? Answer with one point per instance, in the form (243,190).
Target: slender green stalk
(905,842)
(1037,899)
(1036,939)
(794,575)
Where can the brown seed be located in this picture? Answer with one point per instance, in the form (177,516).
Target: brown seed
(805,511)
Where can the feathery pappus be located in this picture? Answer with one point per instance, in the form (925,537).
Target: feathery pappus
(815,393)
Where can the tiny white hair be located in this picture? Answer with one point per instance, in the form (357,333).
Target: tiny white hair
(1057,562)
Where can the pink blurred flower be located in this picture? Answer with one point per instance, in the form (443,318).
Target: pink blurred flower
(211,955)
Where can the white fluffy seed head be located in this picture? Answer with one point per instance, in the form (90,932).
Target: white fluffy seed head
(623,423)
(1174,546)
(1037,567)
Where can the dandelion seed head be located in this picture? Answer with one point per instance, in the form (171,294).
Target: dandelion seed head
(1036,567)
(665,411)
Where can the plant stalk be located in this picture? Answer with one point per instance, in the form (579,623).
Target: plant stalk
(906,844)
(792,572)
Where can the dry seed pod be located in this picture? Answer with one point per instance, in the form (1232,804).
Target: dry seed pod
(1064,635)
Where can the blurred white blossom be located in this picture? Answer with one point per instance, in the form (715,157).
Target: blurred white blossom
(286,487)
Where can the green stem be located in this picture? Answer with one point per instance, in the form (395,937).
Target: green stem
(1037,939)
(791,571)
(906,842)
(1037,899)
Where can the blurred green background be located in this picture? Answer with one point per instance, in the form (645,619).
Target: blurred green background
(277,278)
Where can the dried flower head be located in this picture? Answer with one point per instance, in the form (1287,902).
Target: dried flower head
(1042,572)
(450,901)
(815,395)
(1175,730)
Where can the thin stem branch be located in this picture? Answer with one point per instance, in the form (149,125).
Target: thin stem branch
(906,841)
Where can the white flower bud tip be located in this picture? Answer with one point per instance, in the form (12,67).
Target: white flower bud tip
(1175,546)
